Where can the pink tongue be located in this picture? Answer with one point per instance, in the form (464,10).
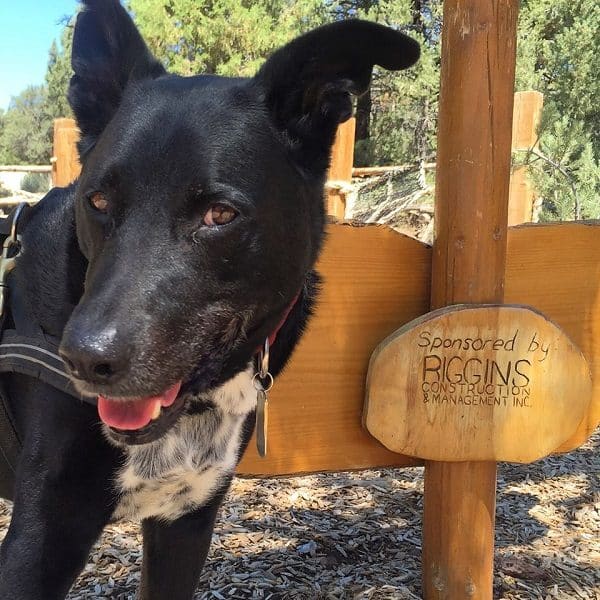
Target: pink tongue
(134,413)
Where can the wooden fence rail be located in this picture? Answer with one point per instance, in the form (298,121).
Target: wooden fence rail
(527,111)
(65,160)
(26,168)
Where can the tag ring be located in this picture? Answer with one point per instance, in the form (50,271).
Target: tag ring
(262,383)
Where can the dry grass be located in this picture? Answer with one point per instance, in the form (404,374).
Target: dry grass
(357,536)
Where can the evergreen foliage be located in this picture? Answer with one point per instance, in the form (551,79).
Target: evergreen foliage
(35,183)
(26,129)
(558,54)
(58,75)
(223,37)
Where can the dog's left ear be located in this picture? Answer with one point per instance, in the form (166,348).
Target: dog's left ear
(108,53)
(308,83)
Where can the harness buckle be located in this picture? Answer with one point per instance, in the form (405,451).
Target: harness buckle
(11,248)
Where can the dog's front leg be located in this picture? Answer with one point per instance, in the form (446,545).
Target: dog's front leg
(49,539)
(174,553)
(63,496)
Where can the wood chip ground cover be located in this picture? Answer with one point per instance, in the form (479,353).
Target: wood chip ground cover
(356,536)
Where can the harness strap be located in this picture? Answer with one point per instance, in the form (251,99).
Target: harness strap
(33,353)
(10,445)
(6,223)
(36,357)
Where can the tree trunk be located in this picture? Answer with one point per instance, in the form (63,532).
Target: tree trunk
(363,115)
(417,17)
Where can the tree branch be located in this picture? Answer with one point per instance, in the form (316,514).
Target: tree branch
(563,172)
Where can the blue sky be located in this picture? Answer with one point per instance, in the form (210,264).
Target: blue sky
(27,28)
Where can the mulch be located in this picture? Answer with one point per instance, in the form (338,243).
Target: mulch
(356,536)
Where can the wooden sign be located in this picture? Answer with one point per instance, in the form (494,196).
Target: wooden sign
(477,383)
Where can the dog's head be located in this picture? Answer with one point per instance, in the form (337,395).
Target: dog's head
(199,207)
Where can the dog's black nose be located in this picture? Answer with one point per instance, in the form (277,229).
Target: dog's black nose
(96,358)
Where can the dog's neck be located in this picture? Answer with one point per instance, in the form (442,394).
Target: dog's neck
(288,332)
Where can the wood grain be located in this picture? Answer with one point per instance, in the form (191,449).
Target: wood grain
(340,169)
(316,405)
(527,114)
(497,383)
(469,259)
(556,269)
(65,162)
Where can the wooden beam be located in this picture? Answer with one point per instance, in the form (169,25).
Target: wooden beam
(340,169)
(527,114)
(65,161)
(376,171)
(25,168)
(316,404)
(554,268)
(472,179)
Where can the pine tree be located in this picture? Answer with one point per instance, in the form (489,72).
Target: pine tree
(558,50)
(59,74)
(26,132)
(396,123)
(224,37)
(404,108)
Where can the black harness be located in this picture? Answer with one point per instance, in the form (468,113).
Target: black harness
(24,348)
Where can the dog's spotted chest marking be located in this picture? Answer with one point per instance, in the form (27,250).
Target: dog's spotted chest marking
(178,473)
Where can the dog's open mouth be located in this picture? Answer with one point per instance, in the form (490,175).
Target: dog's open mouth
(143,419)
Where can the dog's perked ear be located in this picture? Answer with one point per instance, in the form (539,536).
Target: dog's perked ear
(108,53)
(308,83)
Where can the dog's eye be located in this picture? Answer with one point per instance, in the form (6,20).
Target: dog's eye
(219,214)
(99,202)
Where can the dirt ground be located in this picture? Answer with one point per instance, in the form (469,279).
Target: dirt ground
(357,536)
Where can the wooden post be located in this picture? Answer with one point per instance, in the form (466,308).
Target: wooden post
(469,256)
(65,162)
(340,170)
(526,119)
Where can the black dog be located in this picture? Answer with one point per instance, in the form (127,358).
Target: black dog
(189,239)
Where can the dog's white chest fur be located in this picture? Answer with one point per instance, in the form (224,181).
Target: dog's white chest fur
(181,471)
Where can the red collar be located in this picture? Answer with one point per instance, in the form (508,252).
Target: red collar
(286,314)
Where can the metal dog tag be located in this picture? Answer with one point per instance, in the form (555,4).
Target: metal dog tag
(263,382)
(262,422)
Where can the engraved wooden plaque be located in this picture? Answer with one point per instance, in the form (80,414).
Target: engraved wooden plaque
(477,383)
